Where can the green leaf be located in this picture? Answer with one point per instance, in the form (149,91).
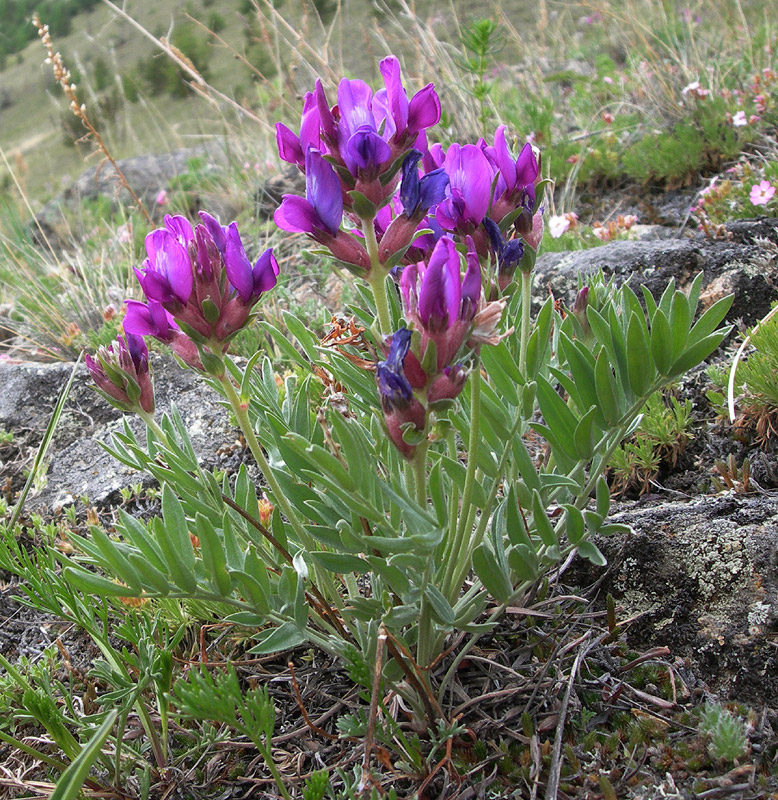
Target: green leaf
(524,562)
(503,371)
(303,334)
(591,552)
(89,583)
(539,340)
(661,344)
(585,437)
(640,367)
(542,523)
(603,497)
(156,581)
(605,383)
(175,544)
(515,525)
(213,556)
(363,207)
(274,640)
(496,581)
(441,608)
(457,472)
(574,524)
(698,352)
(710,319)
(285,346)
(341,562)
(72,779)
(680,322)
(559,418)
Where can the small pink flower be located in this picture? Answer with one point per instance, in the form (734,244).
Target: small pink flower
(602,233)
(557,225)
(162,198)
(124,234)
(762,193)
(753,119)
(607,117)
(739,119)
(607,79)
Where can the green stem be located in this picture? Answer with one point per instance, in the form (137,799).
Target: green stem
(242,415)
(420,473)
(460,534)
(376,278)
(152,425)
(526,303)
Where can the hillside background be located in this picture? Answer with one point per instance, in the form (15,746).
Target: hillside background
(139,100)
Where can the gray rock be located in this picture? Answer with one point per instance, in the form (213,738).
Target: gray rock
(77,464)
(701,577)
(745,264)
(146,174)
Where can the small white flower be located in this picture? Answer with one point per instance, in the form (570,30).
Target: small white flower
(557,225)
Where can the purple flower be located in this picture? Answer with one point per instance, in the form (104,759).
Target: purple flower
(470,175)
(393,386)
(515,186)
(122,374)
(404,120)
(151,319)
(292,148)
(321,210)
(439,301)
(201,277)
(419,195)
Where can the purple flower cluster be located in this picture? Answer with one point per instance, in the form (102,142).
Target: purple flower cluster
(200,290)
(451,225)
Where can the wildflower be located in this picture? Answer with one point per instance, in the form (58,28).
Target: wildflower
(517,177)
(439,301)
(401,409)
(417,197)
(203,277)
(162,198)
(557,225)
(122,374)
(607,117)
(319,214)
(739,119)
(607,79)
(762,193)
(470,178)
(695,89)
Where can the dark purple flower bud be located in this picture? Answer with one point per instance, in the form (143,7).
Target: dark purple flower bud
(123,373)
(395,390)
(508,254)
(418,195)
(397,399)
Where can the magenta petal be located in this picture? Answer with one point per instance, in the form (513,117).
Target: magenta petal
(265,272)
(408,288)
(297,215)
(504,159)
(216,230)
(440,294)
(289,148)
(527,167)
(323,192)
(237,266)
(395,93)
(173,263)
(367,149)
(310,126)
(325,114)
(475,181)
(424,109)
(180,227)
(354,104)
